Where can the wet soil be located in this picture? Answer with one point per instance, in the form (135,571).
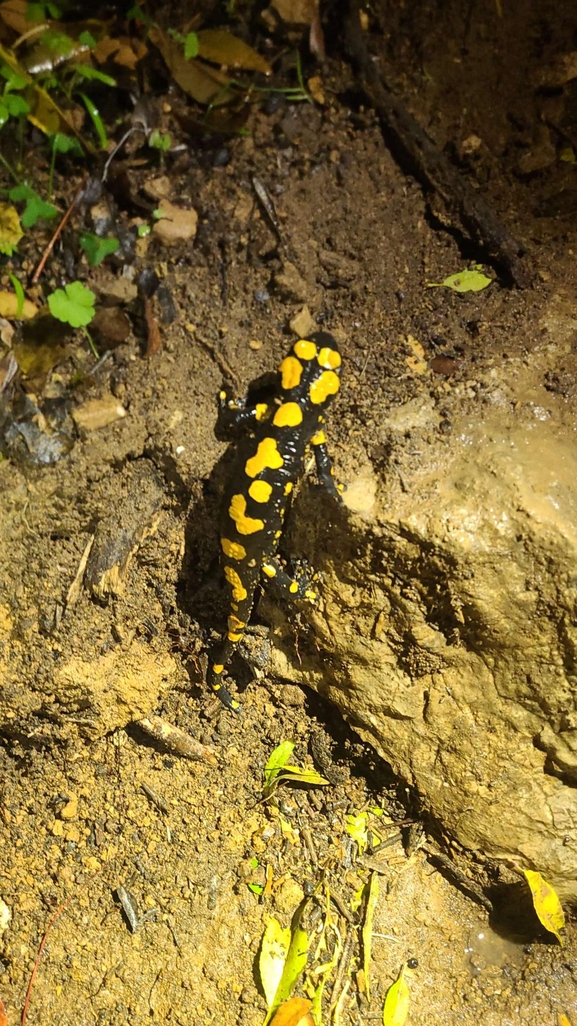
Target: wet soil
(77,820)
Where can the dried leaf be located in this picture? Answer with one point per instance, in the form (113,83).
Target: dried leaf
(220,47)
(463,281)
(3,1016)
(9,304)
(277,769)
(14,14)
(546,904)
(10,230)
(367,932)
(205,84)
(396,1007)
(292,1012)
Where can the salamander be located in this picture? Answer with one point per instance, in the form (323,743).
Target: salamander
(279,435)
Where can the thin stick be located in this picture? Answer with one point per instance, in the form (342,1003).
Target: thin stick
(56,916)
(58,232)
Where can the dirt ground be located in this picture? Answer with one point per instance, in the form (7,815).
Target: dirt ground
(89,802)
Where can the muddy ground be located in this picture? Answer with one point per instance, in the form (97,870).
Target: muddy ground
(76,822)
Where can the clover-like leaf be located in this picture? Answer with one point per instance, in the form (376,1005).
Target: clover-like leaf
(74,304)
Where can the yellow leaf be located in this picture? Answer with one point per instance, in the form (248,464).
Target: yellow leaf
(546,903)
(368,929)
(9,307)
(356,827)
(292,1012)
(10,230)
(563,1020)
(273,954)
(396,1007)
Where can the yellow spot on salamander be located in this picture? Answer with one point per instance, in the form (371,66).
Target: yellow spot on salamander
(217,667)
(260,411)
(234,624)
(291,371)
(288,487)
(260,491)
(232,549)
(305,349)
(329,358)
(278,534)
(328,384)
(239,591)
(237,512)
(233,637)
(266,457)
(319,439)
(311,595)
(269,569)
(293,587)
(288,415)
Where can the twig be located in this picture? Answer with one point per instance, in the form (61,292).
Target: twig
(64,221)
(36,966)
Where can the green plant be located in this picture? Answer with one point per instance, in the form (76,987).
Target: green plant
(74,305)
(97,248)
(35,208)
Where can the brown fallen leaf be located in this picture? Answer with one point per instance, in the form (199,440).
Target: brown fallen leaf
(206,85)
(220,47)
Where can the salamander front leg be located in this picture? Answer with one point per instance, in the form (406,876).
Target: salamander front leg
(298,585)
(325,466)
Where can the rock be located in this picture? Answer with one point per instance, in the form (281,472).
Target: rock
(98,413)
(303,323)
(290,282)
(176,224)
(451,644)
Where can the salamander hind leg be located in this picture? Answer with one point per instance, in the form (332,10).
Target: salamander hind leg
(300,584)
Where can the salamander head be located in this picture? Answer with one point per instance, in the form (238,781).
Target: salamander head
(311,372)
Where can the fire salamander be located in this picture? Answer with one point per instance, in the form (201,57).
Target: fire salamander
(280,434)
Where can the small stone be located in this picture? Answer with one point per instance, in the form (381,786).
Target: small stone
(289,895)
(303,323)
(175,224)
(5,916)
(290,282)
(70,810)
(255,344)
(98,413)
(158,188)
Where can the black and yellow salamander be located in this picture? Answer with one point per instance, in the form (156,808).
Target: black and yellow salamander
(279,435)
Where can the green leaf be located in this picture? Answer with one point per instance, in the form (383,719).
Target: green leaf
(463,281)
(546,903)
(74,304)
(87,39)
(191,45)
(62,143)
(91,74)
(283,957)
(16,104)
(97,121)
(4,114)
(159,140)
(255,888)
(96,248)
(273,954)
(396,1007)
(17,286)
(277,760)
(35,207)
